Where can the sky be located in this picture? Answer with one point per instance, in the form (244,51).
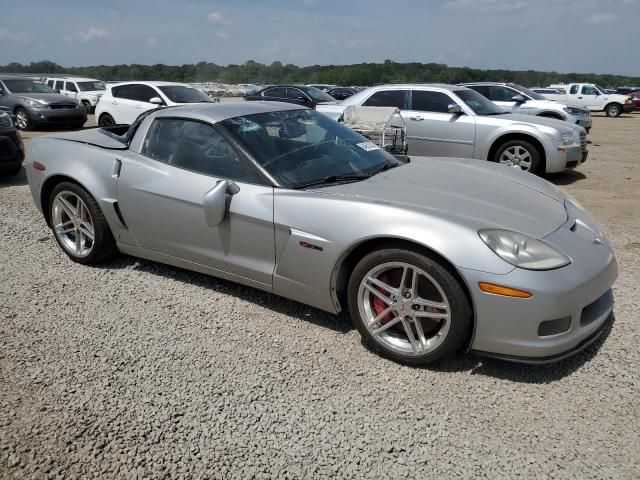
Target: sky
(584,36)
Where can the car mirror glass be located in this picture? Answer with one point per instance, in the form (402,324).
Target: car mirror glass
(518,99)
(454,109)
(156,101)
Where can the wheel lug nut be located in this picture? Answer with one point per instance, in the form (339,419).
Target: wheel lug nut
(407,295)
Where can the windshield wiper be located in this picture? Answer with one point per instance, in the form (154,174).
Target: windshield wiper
(332,179)
(383,168)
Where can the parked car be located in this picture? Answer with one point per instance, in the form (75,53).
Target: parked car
(298,94)
(549,91)
(428,256)
(35,103)
(124,102)
(86,90)
(635,99)
(341,93)
(518,99)
(627,90)
(11,147)
(593,97)
(452,121)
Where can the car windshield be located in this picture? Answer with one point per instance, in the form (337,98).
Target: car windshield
(303,147)
(480,104)
(528,92)
(318,95)
(27,86)
(91,86)
(184,94)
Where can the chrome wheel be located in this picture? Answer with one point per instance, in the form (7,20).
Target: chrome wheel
(22,120)
(72,224)
(517,156)
(404,308)
(613,111)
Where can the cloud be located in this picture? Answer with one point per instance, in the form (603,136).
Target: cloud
(601,18)
(215,18)
(89,34)
(10,36)
(486,5)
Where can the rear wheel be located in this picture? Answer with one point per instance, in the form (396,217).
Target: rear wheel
(613,110)
(23,120)
(106,120)
(79,225)
(408,307)
(86,105)
(519,154)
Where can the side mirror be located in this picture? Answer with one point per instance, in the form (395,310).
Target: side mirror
(156,101)
(215,202)
(519,99)
(454,109)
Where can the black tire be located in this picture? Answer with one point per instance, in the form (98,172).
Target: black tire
(104,246)
(537,162)
(460,309)
(613,110)
(23,119)
(87,105)
(78,126)
(106,120)
(14,171)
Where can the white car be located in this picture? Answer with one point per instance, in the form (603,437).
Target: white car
(125,101)
(86,90)
(518,99)
(593,97)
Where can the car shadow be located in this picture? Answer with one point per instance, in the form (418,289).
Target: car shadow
(567,177)
(14,180)
(460,363)
(276,303)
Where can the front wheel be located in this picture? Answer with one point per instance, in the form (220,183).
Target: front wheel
(519,154)
(408,307)
(23,120)
(613,110)
(79,225)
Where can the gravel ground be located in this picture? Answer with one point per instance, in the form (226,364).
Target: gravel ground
(138,370)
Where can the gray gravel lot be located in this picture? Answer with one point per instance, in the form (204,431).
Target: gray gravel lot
(139,370)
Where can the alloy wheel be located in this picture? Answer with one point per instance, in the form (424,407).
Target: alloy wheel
(404,308)
(517,156)
(22,120)
(72,224)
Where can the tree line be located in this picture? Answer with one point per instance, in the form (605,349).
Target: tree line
(357,74)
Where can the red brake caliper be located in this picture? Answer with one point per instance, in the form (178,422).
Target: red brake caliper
(378,305)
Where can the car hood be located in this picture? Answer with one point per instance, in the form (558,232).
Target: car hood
(476,193)
(47,97)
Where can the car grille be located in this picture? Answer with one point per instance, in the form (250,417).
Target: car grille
(583,141)
(63,106)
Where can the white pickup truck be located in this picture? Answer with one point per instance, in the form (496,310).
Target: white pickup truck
(593,97)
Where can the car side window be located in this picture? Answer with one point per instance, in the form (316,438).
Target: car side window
(123,91)
(296,94)
(502,94)
(197,147)
(71,87)
(588,90)
(277,92)
(482,90)
(50,83)
(59,85)
(388,98)
(573,90)
(143,93)
(425,101)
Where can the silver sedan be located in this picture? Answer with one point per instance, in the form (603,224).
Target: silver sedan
(429,256)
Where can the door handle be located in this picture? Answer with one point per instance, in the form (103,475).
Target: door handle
(138,106)
(580,98)
(114,103)
(417,118)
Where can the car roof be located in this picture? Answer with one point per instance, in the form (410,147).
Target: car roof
(217,112)
(18,77)
(75,79)
(150,83)
(438,86)
(486,83)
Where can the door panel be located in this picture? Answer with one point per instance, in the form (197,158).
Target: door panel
(163,208)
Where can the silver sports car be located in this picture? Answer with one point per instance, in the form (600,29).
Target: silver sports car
(428,255)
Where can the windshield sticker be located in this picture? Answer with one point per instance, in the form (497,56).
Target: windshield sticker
(368,146)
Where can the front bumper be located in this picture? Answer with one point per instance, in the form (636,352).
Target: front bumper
(566,157)
(585,122)
(58,117)
(628,108)
(579,293)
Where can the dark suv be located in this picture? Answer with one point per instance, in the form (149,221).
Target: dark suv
(33,102)
(11,147)
(298,94)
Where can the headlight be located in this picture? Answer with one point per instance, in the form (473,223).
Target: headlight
(567,138)
(628,100)
(575,111)
(33,103)
(5,120)
(523,251)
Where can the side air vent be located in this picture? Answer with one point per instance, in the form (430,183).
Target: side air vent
(116,208)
